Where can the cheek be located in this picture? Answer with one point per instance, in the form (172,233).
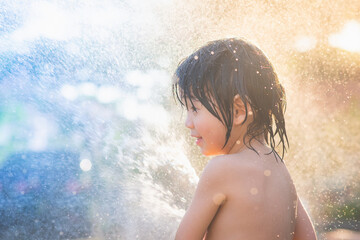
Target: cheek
(216,132)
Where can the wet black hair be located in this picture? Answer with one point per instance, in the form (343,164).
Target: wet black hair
(218,71)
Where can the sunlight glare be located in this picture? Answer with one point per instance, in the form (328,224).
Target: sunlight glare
(305,43)
(348,38)
(46,20)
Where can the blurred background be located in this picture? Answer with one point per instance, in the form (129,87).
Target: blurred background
(92,143)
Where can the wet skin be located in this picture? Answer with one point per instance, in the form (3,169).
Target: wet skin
(240,194)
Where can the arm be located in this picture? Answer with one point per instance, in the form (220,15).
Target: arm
(304,229)
(207,199)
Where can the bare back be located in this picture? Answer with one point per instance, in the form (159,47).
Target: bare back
(260,199)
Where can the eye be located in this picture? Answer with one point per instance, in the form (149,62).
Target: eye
(194,109)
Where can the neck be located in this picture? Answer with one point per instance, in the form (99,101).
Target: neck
(239,145)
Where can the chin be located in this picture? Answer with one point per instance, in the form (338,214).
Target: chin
(209,154)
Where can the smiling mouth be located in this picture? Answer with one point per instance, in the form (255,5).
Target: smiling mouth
(198,140)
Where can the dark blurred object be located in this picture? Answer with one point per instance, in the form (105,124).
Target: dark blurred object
(42,197)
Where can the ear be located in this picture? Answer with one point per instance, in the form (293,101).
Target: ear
(239,110)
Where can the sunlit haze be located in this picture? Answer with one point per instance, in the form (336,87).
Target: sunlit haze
(93,144)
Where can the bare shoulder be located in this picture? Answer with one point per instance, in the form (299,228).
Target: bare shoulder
(241,164)
(224,167)
(215,170)
(235,172)
(252,183)
(217,165)
(253,173)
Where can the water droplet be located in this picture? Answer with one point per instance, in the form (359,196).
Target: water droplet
(235,69)
(267,172)
(212,52)
(234,51)
(253,191)
(236,59)
(218,198)
(196,57)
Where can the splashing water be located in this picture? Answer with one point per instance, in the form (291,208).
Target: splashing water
(91,142)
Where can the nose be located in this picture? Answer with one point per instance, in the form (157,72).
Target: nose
(189,122)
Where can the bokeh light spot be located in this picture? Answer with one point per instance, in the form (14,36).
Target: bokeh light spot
(107,94)
(85,165)
(254,191)
(88,89)
(218,198)
(305,43)
(69,92)
(267,172)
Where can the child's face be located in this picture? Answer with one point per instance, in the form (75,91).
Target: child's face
(207,129)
